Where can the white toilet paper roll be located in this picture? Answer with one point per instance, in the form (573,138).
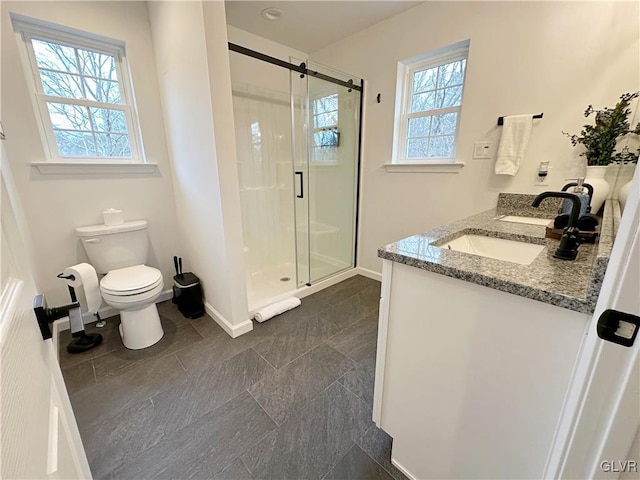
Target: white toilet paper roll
(85,277)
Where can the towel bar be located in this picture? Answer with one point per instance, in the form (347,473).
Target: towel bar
(501,119)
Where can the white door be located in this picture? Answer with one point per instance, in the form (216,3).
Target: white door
(38,434)
(601,415)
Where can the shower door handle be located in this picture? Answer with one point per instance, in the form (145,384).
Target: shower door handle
(301,184)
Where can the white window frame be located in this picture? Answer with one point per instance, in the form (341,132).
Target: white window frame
(28,29)
(314,130)
(404,89)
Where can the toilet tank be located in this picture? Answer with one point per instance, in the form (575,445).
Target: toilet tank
(110,247)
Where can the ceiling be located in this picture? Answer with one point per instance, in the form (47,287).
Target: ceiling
(311,25)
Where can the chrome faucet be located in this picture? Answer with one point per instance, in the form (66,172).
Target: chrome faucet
(568,248)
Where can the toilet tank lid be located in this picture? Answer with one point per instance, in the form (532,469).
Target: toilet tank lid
(94,230)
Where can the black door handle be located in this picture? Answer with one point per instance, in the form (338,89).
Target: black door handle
(618,327)
(301,184)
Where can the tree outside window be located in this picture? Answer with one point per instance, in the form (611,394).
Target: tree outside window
(80,88)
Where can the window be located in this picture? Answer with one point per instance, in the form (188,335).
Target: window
(326,136)
(256,140)
(428,113)
(81,94)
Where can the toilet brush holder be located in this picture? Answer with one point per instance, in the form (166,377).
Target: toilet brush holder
(187,295)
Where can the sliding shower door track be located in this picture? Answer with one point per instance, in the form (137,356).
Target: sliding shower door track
(302,68)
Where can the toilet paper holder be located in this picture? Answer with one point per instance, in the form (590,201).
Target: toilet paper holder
(46,315)
(72,293)
(81,340)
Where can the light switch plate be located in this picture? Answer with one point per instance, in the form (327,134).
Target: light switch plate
(541,182)
(482,149)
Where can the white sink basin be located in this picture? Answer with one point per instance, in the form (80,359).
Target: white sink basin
(529,220)
(498,248)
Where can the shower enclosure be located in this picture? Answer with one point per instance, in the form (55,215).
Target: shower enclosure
(297,128)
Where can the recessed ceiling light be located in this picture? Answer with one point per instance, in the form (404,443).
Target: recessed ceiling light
(272,13)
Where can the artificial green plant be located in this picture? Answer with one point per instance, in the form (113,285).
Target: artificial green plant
(600,140)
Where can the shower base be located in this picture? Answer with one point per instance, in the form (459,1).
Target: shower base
(267,287)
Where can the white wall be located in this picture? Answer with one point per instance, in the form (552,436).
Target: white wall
(525,57)
(196,96)
(56,204)
(215,24)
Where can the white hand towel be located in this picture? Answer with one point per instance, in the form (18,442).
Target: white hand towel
(276,309)
(513,143)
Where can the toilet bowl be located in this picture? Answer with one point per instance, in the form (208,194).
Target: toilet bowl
(133,291)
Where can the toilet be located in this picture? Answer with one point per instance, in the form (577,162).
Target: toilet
(129,286)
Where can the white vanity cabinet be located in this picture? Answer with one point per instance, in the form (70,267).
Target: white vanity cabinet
(470,381)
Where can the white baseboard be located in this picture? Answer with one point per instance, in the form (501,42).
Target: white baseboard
(106,312)
(365,272)
(233,331)
(403,470)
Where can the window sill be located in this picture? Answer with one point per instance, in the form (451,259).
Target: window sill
(84,168)
(430,167)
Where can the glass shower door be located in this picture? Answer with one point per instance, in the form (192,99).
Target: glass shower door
(297,144)
(300,165)
(326,146)
(262,119)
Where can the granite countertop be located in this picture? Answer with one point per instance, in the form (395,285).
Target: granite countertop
(574,285)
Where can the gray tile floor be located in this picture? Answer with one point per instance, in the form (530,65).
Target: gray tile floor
(289,400)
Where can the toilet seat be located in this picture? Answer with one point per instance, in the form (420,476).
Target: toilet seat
(126,302)
(131,281)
